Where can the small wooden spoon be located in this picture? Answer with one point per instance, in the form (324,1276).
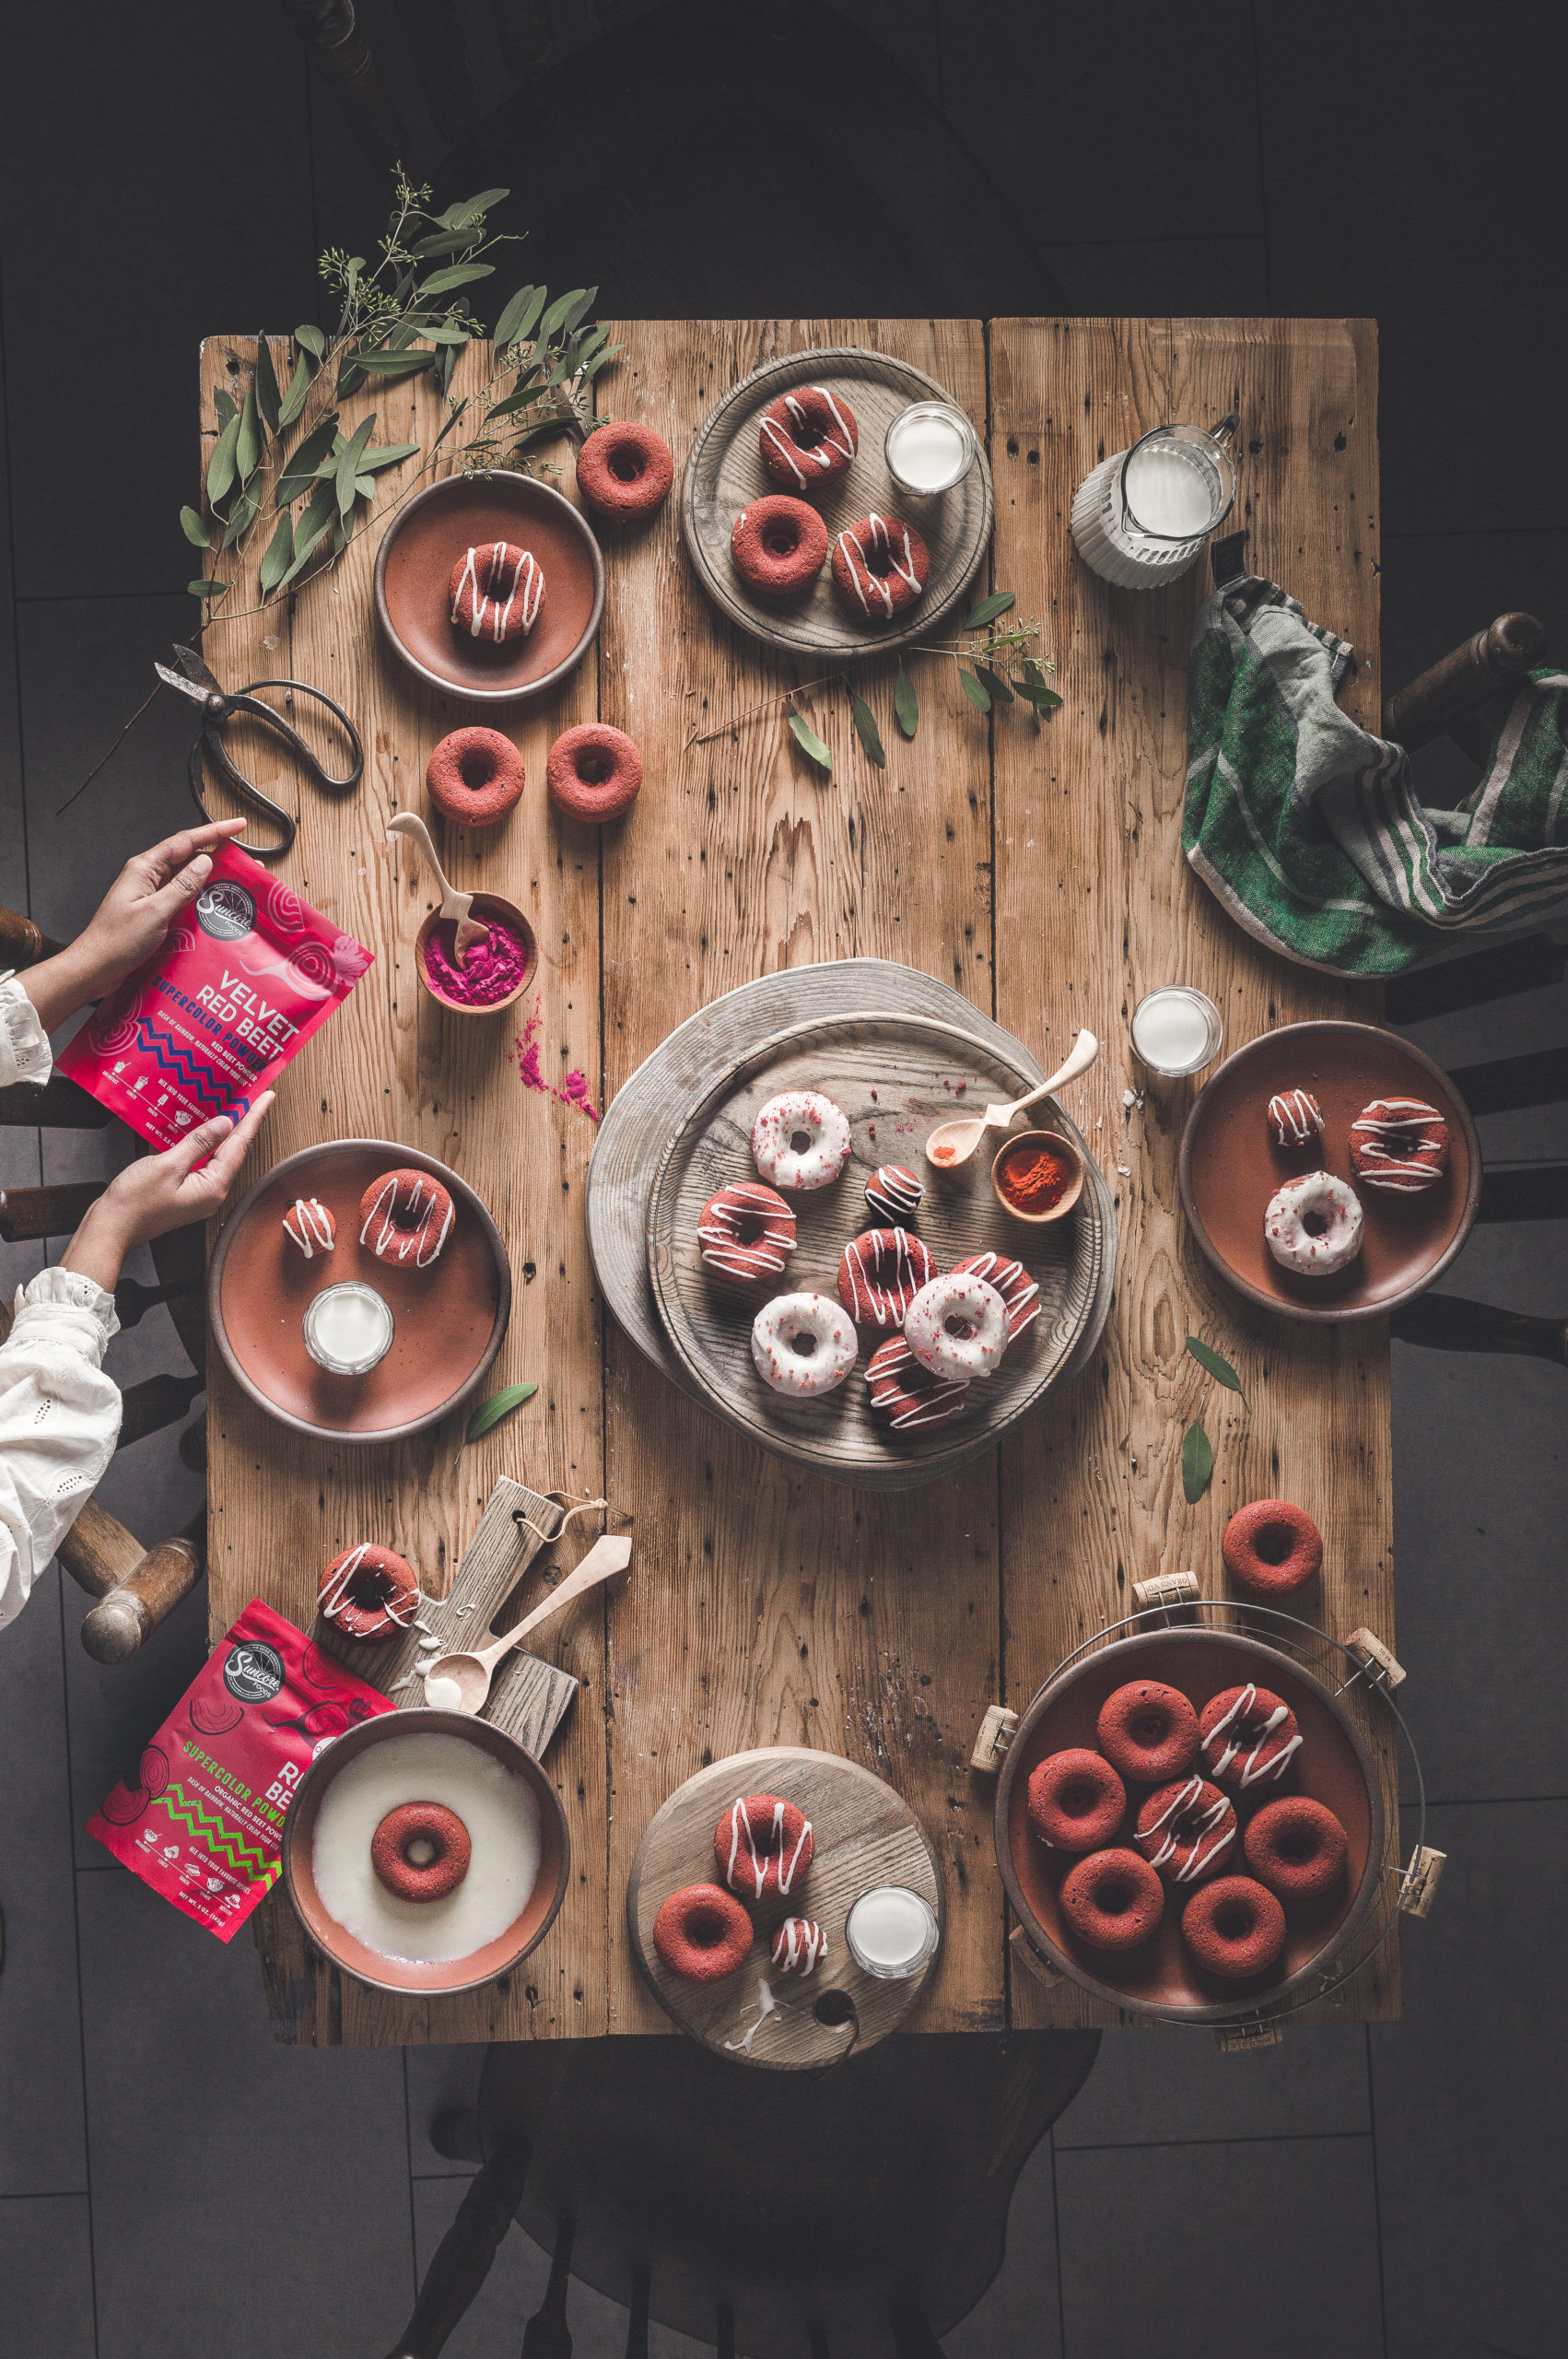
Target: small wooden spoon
(457,906)
(471,1674)
(954,1143)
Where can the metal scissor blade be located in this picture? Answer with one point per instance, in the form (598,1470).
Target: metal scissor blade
(191,664)
(186,688)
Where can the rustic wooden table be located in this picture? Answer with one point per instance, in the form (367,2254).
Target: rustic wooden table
(1040,872)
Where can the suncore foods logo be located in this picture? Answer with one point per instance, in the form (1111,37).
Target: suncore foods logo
(225,911)
(253,1672)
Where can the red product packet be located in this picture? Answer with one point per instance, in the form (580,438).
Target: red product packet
(201,1817)
(244,977)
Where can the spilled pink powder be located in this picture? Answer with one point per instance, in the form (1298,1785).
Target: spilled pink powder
(575,1090)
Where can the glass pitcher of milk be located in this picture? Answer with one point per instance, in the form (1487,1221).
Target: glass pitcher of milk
(1142,517)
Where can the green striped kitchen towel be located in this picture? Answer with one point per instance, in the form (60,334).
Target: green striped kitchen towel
(1308,828)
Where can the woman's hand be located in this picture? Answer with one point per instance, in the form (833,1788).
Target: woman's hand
(131,922)
(158,1192)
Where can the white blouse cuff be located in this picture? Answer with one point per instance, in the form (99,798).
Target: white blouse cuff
(24,1052)
(63,1306)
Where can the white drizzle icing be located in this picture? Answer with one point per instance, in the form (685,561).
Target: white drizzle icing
(528,582)
(394,1242)
(798,1945)
(1296,1117)
(894,1192)
(798,455)
(741,1833)
(1219,1817)
(718,1236)
(766,2005)
(334,1597)
(311,1225)
(887,1269)
(879,531)
(1389,1139)
(1252,1768)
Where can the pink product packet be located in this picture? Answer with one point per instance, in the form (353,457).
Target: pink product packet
(241,981)
(200,1815)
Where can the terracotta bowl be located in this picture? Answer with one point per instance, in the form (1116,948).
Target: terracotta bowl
(485,905)
(433,530)
(499,1956)
(1161,1978)
(1070,1194)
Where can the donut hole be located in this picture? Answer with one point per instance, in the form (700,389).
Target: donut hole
(800,1142)
(750,1228)
(408,1217)
(781,539)
(369,1589)
(1315,1222)
(705,1929)
(476,770)
(628,463)
(1246,1735)
(807,433)
(420,1852)
(1274,1543)
(1149,1730)
(1077,1797)
(877,559)
(958,1328)
(1234,1921)
(593,765)
(1295,1844)
(804,1343)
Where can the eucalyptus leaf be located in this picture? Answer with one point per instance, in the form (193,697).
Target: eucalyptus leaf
(220,466)
(207,589)
(364,487)
(1043,696)
(515,401)
(312,341)
(870,735)
(556,316)
(519,316)
(1197,1463)
(195,531)
(442,241)
(388,455)
(447,428)
(905,703)
(442,332)
(226,405)
(446,365)
(1219,1369)
(492,1408)
(348,466)
(269,400)
(293,401)
(311,528)
(279,554)
(242,517)
(247,446)
(989,609)
(1000,691)
(459,274)
(974,690)
(806,737)
(394,364)
(304,461)
(463,217)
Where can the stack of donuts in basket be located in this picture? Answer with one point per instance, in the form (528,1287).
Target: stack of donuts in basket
(762,1850)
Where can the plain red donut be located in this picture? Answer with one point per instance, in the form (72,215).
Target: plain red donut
(475,776)
(1233,1927)
(702,1934)
(414,1822)
(593,772)
(1272,1547)
(1297,1848)
(1113,1900)
(369,1593)
(1148,1731)
(1076,1800)
(777,545)
(625,470)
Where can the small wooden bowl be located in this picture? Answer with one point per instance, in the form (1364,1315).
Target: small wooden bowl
(485,905)
(1058,1145)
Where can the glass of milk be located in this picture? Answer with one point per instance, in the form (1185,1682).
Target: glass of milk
(891,1932)
(1142,517)
(1176,1030)
(347,1328)
(930,447)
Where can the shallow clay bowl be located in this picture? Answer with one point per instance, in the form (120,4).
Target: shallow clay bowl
(434,530)
(1161,1977)
(526,1931)
(1057,1145)
(448,1319)
(485,905)
(1229,1167)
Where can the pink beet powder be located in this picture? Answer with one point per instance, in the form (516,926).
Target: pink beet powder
(576,1088)
(495,965)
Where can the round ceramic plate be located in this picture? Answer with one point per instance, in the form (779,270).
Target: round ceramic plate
(895,1077)
(1230,1167)
(433,530)
(724,473)
(1333,1766)
(449,1319)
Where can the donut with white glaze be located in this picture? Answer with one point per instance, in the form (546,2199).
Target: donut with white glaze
(1019,1291)
(369,1593)
(801,1114)
(808,437)
(747,1232)
(763,1845)
(1400,1145)
(880,1274)
(957,1327)
(1314,1226)
(309,1226)
(803,1345)
(879,567)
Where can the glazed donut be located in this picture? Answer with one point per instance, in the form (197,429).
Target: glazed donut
(778,546)
(702,1934)
(309,1224)
(747,1232)
(369,1593)
(1295,1118)
(1400,1144)
(593,772)
(1271,1548)
(1113,1900)
(475,776)
(906,1394)
(496,592)
(808,437)
(879,567)
(957,1327)
(1246,1734)
(1148,1731)
(405,1216)
(881,1274)
(892,1193)
(803,1345)
(1076,1801)
(625,470)
(1314,1226)
(420,1852)
(801,1113)
(1019,1291)
(1296,1846)
(1186,1831)
(797,1946)
(1233,1927)
(762,1845)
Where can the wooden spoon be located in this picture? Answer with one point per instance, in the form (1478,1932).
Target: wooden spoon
(457,906)
(472,1674)
(954,1143)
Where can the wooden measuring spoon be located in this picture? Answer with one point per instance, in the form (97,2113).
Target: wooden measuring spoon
(457,906)
(470,1674)
(954,1143)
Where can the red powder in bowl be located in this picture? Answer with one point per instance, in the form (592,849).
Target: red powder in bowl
(494,968)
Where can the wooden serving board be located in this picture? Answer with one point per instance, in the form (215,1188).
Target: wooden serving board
(724,474)
(864,1835)
(895,1077)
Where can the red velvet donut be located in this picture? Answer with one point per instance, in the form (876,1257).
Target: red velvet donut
(593,772)
(908,1395)
(1113,1900)
(1235,1928)
(808,437)
(1187,1830)
(879,567)
(475,776)
(1076,1800)
(1271,1548)
(406,1218)
(778,546)
(763,1845)
(440,1831)
(702,1934)
(625,470)
(1297,1848)
(496,593)
(369,1593)
(747,1232)
(1247,1737)
(1148,1731)
(881,1274)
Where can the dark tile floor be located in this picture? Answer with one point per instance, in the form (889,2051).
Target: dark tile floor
(169,2181)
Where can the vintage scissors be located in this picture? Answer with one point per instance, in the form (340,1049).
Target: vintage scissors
(218,709)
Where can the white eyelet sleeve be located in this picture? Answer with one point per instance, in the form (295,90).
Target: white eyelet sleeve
(59,1422)
(23,1044)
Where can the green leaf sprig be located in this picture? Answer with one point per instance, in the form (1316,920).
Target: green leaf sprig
(491,1410)
(1219,1368)
(1197,1463)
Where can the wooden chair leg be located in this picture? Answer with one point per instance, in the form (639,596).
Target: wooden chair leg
(1495,659)
(1524,1191)
(137,1588)
(455,2134)
(21,943)
(329,32)
(546,2335)
(60,1104)
(1530,964)
(46,1212)
(1446,1322)
(464,2255)
(155,1401)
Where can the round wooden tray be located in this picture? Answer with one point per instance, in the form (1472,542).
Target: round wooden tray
(450,1319)
(1229,1167)
(724,471)
(1161,1978)
(864,1835)
(895,1077)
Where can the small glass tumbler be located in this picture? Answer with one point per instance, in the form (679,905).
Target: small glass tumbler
(930,447)
(1176,1030)
(892,1933)
(349,1328)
